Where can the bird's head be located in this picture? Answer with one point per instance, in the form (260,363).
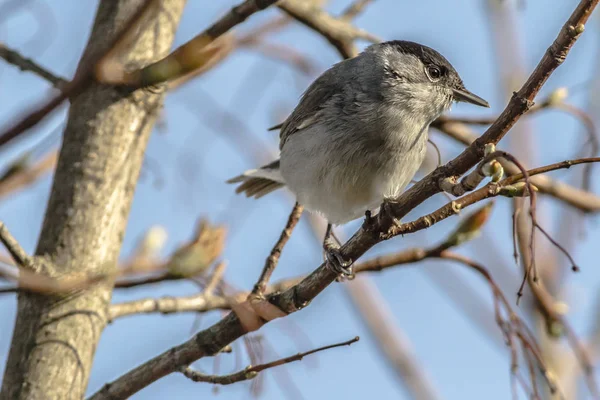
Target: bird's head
(417,78)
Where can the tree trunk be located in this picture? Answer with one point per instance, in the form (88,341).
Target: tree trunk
(55,337)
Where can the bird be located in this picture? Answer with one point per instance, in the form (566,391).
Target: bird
(358,134)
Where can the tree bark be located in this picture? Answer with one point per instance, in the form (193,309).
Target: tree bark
(55,337)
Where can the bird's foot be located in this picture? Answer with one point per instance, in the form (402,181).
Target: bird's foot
(336,262)
(333,257)
(386,213)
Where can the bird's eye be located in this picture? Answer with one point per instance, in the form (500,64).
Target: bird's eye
(433,72)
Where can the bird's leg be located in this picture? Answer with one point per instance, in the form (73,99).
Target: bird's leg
(334,259)
(333,236)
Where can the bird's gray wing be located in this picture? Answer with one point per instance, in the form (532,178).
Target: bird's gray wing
(312,102)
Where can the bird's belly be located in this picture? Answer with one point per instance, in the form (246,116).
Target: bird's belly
(342,187)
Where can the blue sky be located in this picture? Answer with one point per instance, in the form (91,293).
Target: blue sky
(193,153)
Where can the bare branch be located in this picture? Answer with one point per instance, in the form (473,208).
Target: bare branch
(251,372)
(194,54)
(28,175)
(131,283)
(354,9)
(273,259)
(215,278)
(26,64)
(14,248)
(200,302)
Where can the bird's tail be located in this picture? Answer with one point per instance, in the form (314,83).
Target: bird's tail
(259,182)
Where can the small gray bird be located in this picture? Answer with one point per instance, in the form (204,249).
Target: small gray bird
(359,133)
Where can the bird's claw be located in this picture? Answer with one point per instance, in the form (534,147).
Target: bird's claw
(343,268)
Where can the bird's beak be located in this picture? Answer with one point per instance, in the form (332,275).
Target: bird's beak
(468,97)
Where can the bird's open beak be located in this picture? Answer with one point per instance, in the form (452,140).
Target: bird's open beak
(468,97)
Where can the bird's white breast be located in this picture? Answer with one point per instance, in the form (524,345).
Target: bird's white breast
(342,175)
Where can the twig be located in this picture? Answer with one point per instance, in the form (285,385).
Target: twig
(131,283)
(26,64)
(251,372)
(215,278)
(194,54)
(574,265)
(28,175)
(14,248)
(551,167)
(354,9)
(200,302)
(273,259)
(515,215)
(36,282)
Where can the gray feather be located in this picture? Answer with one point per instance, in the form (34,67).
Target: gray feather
(259,182)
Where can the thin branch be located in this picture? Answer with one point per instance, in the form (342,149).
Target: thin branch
(354,9)
(551,167)
(515,216)
(195,53)
(37,282)
(26,64)
(28,175)
(251,372)
(561,248)
(273,259)
(149,280)
(14,248)
(215,278)
(200,302)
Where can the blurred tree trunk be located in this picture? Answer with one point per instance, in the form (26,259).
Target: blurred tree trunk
(104,142)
